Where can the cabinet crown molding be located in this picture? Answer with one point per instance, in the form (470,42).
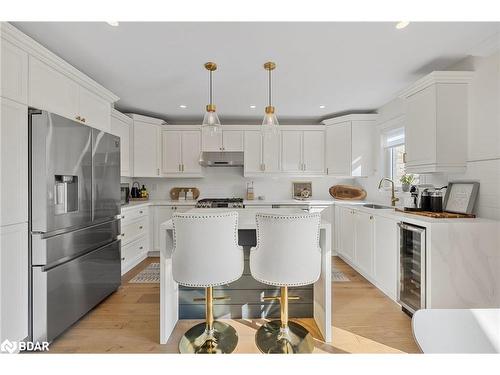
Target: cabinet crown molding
(149,120)
(351,117)
(463,77)
(121,116)
(23,41)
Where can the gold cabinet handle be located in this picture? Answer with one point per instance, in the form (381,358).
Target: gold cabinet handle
(158,171)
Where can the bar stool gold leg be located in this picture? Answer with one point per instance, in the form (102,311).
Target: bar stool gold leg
(282,336)
(211,337)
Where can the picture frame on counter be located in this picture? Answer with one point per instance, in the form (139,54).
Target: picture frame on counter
(302,190)
(461,197)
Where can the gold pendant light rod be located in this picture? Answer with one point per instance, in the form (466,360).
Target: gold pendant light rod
(211,67)
(270,66)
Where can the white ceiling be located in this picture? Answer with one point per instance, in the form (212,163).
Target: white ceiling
(350,66)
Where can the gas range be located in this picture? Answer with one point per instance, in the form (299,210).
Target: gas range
(220,203)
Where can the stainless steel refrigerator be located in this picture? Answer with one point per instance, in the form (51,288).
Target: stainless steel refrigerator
(74,221)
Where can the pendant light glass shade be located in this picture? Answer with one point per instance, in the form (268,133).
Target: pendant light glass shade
(211,122)
(270,122)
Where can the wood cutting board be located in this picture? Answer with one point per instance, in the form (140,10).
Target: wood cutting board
(174,192)
(438,215)
(347,192)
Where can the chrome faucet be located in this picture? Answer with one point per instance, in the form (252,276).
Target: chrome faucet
(393,197)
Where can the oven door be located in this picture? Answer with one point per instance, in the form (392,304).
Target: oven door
(411,287)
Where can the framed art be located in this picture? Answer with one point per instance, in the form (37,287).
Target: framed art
(461,196)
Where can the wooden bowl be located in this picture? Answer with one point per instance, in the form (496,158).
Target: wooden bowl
(347,192)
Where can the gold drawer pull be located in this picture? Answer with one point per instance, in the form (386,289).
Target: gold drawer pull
(198,299)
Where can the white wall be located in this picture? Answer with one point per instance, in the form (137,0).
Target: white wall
(483,137)
(227,182)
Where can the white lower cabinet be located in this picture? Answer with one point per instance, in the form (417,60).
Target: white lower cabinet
(363,243)
(134,236)
(346,235)
(368,242)
(386,255)
(14,282)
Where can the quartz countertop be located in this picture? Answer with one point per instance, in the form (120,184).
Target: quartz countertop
(157,202)
(246,216)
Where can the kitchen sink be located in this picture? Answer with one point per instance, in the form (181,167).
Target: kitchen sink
(377,206)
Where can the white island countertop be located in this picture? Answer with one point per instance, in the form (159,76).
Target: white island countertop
(169,302)
(457,330)
(246,216)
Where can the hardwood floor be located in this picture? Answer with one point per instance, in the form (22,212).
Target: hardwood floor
(364,321)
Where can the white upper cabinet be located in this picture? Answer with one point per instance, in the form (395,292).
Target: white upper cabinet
(261,153)
(51,90)
(350,145)
(271,149)
(338,150)
(437,111)
(233,140)
(303,151)
(94,111)
(146,150)
(14,71)
(13,162)
(291,152)
(123,127)
(181,153)
(191,147)
(313,151)
(211,141)
(171,152)
(253,152)
(229,139)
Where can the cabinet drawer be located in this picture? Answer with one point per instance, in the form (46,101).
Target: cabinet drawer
(132,251)
(132,214)
(134,230)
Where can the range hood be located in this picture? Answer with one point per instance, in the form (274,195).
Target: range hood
(221,159)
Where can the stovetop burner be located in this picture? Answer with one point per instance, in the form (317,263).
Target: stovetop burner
(220,203)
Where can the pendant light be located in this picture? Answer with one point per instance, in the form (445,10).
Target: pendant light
(211,121)
(270,122)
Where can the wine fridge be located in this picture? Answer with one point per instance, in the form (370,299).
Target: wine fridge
(411,287)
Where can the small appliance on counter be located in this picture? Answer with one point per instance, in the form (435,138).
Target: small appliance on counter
(458,202)
(124,193)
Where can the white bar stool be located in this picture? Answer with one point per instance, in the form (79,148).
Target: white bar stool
(206,254)
(287,254)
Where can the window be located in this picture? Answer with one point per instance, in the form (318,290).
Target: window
(394,149)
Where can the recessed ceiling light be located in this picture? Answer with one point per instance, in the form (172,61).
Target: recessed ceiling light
(183,106)
(253,106)
(113,23)
(402,24)
(321,106)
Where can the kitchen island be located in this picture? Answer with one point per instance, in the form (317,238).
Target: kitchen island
(169,289)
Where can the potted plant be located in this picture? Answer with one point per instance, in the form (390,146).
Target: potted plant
(406,181)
